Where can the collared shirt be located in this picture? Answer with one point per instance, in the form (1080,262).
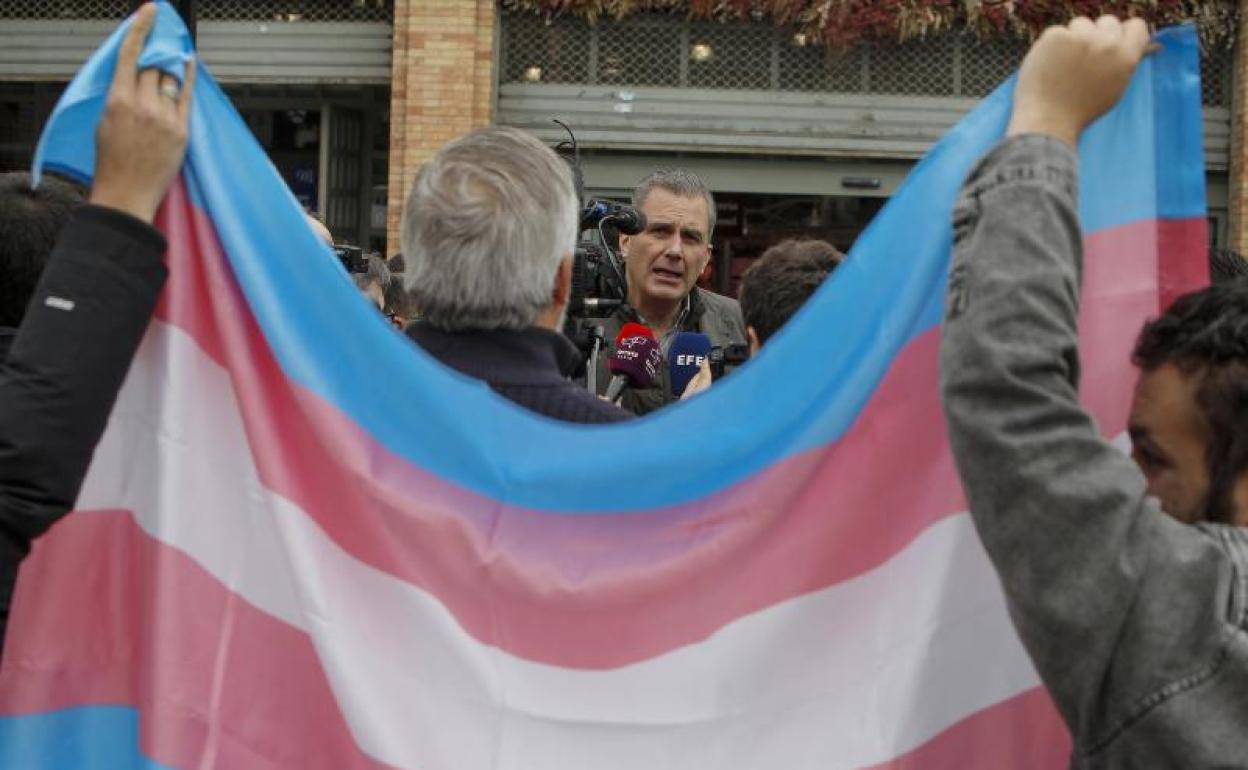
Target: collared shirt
(716,316)
(665,341)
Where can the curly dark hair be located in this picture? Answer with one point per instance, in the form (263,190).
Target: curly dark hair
(780,282)
(1205,334)
(1226,265)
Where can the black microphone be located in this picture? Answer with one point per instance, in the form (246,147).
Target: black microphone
(621,216)
(627,220)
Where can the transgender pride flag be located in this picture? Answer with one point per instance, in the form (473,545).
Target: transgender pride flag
(305,544)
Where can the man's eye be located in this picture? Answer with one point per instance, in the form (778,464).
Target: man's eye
(1147,458)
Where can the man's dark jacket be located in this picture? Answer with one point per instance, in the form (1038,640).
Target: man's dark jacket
(530,367)
(60,375)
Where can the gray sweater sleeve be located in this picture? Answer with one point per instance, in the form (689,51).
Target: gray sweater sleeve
(1114,601)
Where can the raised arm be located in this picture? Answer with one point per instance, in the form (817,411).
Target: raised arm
(1115,601)
(90,308)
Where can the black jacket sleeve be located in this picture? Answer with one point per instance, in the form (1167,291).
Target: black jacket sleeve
(67,363)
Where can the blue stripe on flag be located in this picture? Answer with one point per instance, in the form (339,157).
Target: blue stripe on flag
(1119,182)
(85,738)
(804,391)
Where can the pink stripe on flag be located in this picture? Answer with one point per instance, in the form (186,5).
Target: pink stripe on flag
(1184,265)
(555,588)
(1123,269)
(219,684)
(1020,732)
(230,686)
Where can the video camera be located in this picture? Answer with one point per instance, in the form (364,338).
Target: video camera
(598,286)
(353,258)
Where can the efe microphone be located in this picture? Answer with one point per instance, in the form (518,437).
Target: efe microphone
(688,352)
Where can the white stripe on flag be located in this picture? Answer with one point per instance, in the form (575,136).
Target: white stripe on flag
(846,677)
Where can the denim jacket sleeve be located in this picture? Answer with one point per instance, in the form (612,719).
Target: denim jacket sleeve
(1119,606)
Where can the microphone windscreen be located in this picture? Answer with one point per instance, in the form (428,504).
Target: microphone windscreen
(638,358)
(628,220)
(633,329)
(688,352)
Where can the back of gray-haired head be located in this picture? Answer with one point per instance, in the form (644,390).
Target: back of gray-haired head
(680,182)
(489,218)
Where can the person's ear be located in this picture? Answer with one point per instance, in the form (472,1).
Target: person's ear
(752,337)
(625,240)
(561,292)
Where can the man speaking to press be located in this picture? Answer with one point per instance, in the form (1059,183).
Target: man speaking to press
(661,265)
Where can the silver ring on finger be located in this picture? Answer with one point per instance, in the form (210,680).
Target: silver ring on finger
(170,89)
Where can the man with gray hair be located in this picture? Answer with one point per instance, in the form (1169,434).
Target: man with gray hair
(488,236)
(661,265)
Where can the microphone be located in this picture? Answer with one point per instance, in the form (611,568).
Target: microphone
(628,220)
(633,329)
(688,352)
(635,361)
(623,218)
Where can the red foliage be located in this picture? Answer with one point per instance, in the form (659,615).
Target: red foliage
(848,22)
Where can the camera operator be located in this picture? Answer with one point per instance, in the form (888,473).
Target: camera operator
(661,265)
(488,236)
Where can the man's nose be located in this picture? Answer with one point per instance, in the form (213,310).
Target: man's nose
(673,245)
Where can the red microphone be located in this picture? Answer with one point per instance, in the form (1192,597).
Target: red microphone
(633,329)
(635,361)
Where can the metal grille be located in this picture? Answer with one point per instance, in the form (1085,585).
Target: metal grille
(640,53)
(671,51)
(921,67)
(65,9)
(296,10)
(734,56)
(985,63)
(212,10)
(1216,75)
(807,67)
(537,51)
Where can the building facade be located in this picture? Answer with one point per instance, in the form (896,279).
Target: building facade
(795,136)
(312,79)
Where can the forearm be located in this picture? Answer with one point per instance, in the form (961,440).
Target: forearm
(1057,507)
(61,378)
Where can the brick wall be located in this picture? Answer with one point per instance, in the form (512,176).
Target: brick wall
(1237,189)
(442,86)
